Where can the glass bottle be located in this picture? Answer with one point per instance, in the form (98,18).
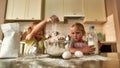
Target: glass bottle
(93,39)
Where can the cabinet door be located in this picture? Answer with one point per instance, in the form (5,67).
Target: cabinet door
(23,10)
(54,7)
(95,11)
(15,9)
(10,9)
(33,11)
(74,7)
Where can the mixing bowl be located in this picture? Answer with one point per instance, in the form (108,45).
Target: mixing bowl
(55,48)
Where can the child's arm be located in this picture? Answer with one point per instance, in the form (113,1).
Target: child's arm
(41,25)
(85,50)
(73,50)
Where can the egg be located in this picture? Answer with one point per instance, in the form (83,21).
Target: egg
(66,55)
(78,54)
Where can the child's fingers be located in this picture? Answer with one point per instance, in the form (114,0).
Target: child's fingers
(28,37)
(54,18)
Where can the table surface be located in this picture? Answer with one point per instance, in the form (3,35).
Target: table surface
(104,60)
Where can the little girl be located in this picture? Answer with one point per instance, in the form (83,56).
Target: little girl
(78,44)
(33,38)
(35,44)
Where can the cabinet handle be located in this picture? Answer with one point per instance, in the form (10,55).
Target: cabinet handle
(74,13)
(32,17)
(17,18)
(96,20)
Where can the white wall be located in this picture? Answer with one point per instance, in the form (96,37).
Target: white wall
(109,29)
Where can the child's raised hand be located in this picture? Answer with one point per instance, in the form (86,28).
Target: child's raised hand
(41,25)
(53,19)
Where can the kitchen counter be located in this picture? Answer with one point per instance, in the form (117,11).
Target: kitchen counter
(104,60)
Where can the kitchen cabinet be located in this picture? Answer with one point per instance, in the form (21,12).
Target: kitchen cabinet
(23,10)
(34,10)
(64,8)
(54,7)
(94,11)
(74,8)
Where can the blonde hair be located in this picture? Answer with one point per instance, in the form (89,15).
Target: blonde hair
(30,28)
(79,26)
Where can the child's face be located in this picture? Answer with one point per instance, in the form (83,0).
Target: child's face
(39,35)
(76,34)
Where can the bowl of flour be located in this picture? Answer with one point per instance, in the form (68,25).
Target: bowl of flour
(55,48)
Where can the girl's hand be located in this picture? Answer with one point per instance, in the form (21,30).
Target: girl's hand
(53,19)
(88,49)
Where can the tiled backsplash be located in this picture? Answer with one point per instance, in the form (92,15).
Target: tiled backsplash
(64,28)
(108,28)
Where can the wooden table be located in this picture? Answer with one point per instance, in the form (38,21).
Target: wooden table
(45,61)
